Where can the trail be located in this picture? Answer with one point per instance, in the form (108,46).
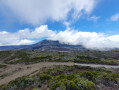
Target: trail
(14,71)
(98,65)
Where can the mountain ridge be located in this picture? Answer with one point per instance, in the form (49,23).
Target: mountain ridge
(49,45)
(46,45)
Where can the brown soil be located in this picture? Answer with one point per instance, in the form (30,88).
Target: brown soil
(14,71)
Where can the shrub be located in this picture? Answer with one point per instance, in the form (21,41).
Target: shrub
(61,77)
(44,78)
(70,77)
(90,75)
(58,84)
(71,83)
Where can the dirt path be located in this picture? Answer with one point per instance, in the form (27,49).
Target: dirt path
(98,65)
(14,71)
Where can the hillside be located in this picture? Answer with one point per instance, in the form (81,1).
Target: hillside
(32,56)
(32,70)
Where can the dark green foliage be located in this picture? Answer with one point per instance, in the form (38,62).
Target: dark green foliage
(72,84)
(90,75)
(44,78)
(61,77)
(70,77)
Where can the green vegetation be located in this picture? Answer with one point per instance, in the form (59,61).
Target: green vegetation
(30,57)
(63,77)
(66,78)
(72,83)
(95,60)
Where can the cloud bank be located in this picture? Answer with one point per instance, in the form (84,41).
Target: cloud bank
(90,40)
(38,11)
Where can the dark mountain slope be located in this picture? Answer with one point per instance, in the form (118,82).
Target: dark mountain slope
(47,45)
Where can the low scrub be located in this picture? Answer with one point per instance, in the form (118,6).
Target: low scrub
(66,78)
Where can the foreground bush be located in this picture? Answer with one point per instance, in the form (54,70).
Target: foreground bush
(71,82)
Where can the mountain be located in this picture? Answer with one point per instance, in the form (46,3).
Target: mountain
(46,45)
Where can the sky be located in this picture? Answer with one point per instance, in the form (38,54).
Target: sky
(93,24)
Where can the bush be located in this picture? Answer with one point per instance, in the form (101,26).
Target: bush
(109,78)
(70,77)
(71,83)
(61,77)
(90,75)
(44,78)
(83,84)
(57,84)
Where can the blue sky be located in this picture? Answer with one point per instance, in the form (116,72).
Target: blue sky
(92,16)
(104,9)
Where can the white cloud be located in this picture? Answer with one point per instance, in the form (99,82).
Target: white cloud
(25,42)
(38,11)
(94,18)
(7,38)
(37,33)
(90,40)
(115,17)
(23,37)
